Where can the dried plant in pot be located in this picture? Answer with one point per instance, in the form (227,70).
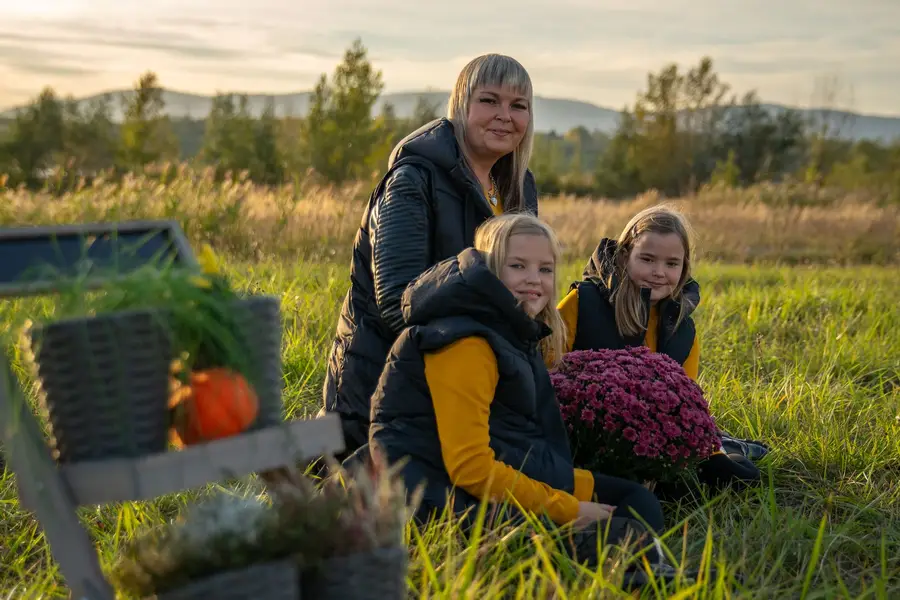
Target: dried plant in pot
(223,548)
(348,534)
(104,365)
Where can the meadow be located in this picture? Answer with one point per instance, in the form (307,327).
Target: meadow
(798,322)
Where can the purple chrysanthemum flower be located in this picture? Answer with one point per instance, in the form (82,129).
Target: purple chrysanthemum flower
(636,405)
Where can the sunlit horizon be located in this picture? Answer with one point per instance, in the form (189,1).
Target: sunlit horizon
(598,52)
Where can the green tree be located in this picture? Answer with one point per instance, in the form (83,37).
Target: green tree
(726,173)
(425,111)
(228,135)
(763,144)
(90,137)
(234,141)
(270,161)
(618,173)
(147,135)
(340,138)
(36,138)
(548,162)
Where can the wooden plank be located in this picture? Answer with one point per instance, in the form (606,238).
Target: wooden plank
(145,478)
(39,481)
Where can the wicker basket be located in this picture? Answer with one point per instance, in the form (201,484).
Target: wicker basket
(105,382)
(105,379)
(259,322)
(379,574)
(266,581)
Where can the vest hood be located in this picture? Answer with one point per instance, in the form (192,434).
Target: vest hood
(600,270)
(463,286)
(436,143)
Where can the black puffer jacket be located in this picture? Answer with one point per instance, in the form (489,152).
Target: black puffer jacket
(425,209)
(596,316)
(456,299)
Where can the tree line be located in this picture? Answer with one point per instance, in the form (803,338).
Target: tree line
(684,130)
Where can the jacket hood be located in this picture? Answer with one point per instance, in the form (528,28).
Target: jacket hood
(463,286)
(435,142)
(600,269)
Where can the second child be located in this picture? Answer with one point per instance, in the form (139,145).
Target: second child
(638,290)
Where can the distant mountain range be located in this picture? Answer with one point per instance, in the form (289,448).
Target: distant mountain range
(551,114)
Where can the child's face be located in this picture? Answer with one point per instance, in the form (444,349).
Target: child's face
(529,271)
(656,262)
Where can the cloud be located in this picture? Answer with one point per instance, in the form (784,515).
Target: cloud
(40,62)
(91,37)
(596,50)
(17,56)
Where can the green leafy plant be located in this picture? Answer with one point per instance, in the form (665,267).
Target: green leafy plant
(199,310)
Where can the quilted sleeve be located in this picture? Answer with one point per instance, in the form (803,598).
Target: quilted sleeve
(401,240)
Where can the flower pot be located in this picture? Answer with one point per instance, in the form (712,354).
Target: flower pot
(266,581)
(105,383)
(380,573)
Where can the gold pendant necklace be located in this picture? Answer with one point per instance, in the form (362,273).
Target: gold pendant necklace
(492,196)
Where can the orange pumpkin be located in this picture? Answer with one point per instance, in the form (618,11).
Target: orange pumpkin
(218,403)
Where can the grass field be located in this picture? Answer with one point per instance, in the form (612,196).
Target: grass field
(804,357)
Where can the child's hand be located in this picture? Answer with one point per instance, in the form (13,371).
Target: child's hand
(591,512)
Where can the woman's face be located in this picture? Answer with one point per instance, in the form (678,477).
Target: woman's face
(497,122)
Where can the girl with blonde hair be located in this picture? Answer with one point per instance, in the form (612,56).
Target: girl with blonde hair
(639,290)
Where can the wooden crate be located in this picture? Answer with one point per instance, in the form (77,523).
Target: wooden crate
(53,492)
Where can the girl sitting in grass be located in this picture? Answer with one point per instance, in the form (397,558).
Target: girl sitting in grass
(638,290)
(465,397)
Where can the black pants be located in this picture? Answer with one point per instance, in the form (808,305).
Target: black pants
(627,495)
(715,473)
(624,494)
(638,514)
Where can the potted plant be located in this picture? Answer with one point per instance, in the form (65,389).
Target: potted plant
(223,548)
(105,364)
(634,413)
(347,535)
(342,540)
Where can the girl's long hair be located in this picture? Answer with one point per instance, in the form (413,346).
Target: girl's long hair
(626,296)
(492,240)
(501,71)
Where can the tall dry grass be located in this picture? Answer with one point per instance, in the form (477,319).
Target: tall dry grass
(788,223)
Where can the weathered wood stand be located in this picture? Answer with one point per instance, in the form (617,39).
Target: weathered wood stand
(54,492)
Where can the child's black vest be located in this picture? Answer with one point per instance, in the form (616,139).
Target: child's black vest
(455,299)
(597,328)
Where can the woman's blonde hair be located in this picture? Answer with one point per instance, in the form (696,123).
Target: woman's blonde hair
(501,71)
(492,240)
(626,297)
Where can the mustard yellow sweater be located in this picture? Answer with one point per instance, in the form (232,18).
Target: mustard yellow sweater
(462,379)
(568,308)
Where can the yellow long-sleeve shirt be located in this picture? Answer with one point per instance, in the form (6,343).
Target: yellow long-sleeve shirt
(568,308)
(462,379)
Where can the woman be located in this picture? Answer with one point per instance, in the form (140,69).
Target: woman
(443,181)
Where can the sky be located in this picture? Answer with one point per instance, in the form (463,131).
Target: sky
(599,51)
